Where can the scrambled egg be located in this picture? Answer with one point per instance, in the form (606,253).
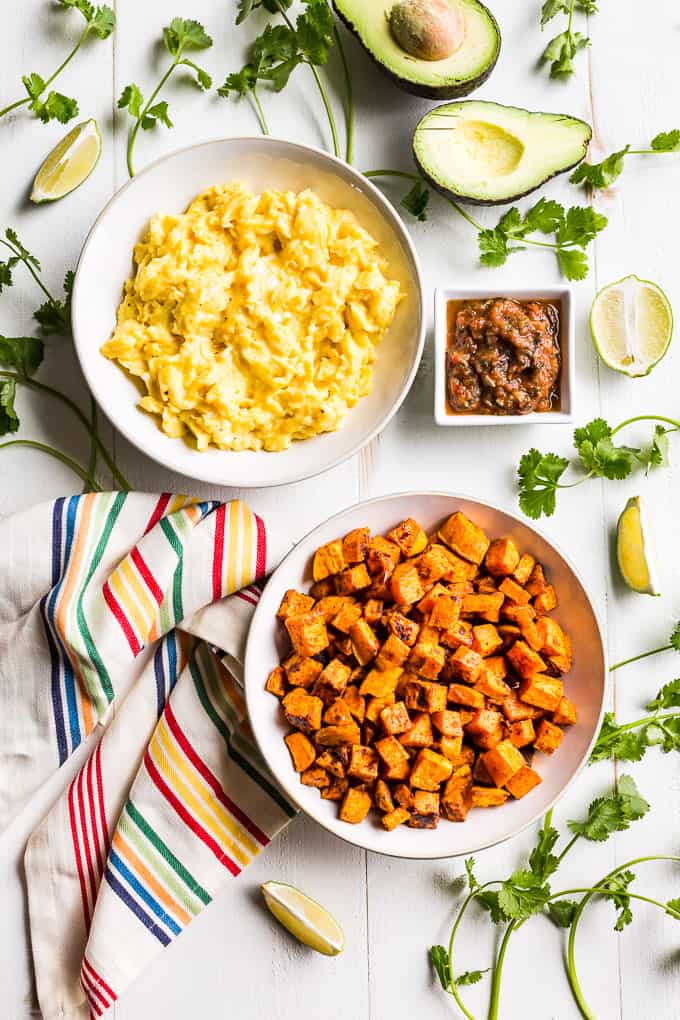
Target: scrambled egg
(253,320)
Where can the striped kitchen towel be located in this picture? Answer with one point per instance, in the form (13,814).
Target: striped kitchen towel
(112,606)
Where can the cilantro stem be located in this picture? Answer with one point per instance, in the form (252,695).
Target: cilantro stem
(259,111)
(646,417)
(48,81)
(58,455)
(642,655)
(392,173)
(498,970)
(13,106)
(92,463)
(456,925)
(142,113)
(27,262)
(349,104)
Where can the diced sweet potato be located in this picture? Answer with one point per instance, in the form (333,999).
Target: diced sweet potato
(333,736)
(490,682)
(565,713)
(511,610)
(546,601)
(426,659)
(348,614)
(330,605)
(515,710)
(502,761)
(294,603)
(355,806)
(301,750)
(528,628)
(456,800)
(523,782)
(356,544)
(522,571)
(315,776)
(485,728)
(380,683)
(374,707)
(373,610)
(425,696)
(391,751)
(409,536)
(537,583)
(321,589)
(303,710)
(433,564)
(363,763)
(394,818)
(403,796)
(459,634)
(430,770)
(368,732)
(382,558)
(308,633)
(403,628)
(335,760)
(542,691)
(328,560)
(419,733)
(553,638)
(395,718)
(382,795)
(485,639)
(334,677)
(425,811)
(427,603)
(336,790)
(448,723)
(480,773)
(466,664)
(353,579)
(337,714)
(405,584)
(515,592)
(459,694)
(486,585)
(355,703)
(524,660)
(452,748)
(464,537)
(393,652)
(301,671)
(276,682)
(521,733)
(445,612)
(365,644)
(502,557)
(486,606)
(548,737)
(488,796)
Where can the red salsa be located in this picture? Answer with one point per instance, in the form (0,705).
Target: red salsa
(503,356)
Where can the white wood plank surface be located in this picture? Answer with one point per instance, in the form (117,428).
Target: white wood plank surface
(233,959)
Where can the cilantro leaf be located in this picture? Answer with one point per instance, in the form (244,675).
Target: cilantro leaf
(615,742)
(542,861)
(469,870)
(471,977)
(241,82)
(666,141)
(546,216)
(675,637)
(439,958)
(493,247)
(599,456)
(551,8)
(103,22)
(9,420)
(573,263)
(132,99)
(600,175)
(314,31)
(618,884)
(34,85)
(417,200)
(246,7)
(55,107)
(185,33)
(489,901)
(156,114)
(668,696)
(587,6)
(561,912)
(25,353)
(657,454)
(538,478)
(54,316)
(203,79)
(612,813)
(673,907)
(580,226)
(523,895)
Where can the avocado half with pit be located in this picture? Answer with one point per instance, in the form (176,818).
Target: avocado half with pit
(439,49)
(487,154)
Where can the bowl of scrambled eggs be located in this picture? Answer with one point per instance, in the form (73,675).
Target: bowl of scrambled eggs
(249,311)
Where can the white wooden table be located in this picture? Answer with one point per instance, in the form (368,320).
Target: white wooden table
(234,961)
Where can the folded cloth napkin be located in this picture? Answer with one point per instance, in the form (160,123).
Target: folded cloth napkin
(112,608)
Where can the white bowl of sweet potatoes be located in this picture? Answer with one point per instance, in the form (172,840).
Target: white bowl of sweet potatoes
(425,675)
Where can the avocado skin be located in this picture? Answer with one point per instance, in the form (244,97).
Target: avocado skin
(458,196)
(428,91)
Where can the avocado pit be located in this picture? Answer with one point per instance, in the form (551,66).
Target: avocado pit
(427,29)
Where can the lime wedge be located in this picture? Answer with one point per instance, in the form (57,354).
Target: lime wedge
(631,322)
(69,164)
(304,918)
(634,549)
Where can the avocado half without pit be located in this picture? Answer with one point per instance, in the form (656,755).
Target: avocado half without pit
(439,49)
(487,154)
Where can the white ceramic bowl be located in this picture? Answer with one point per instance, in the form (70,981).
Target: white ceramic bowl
(169,184)
(585,684)
(563,296)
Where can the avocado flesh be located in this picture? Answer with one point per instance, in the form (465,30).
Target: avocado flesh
(456,75)
(489,154)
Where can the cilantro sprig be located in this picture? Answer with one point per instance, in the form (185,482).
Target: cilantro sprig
(51,105)
(563,47)
(601,175)
(180,36)
(631,741)
(54,314)
(539,474)
(672,646)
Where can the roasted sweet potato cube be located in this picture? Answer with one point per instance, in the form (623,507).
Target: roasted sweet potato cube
(348,614)
(464,537)
(524,660)
(460,571)
(343,646)
(486,585)
(548,737)
(276,682)
(486,640)
(565,713)
(353,579)
(528,628)
(330,605)
(502,761)
(328,560)
(409,536)
(356,544)
(365,644)
(511,610)
(553,638)
(515,710)
(490,682)
(427,603)
(419,733)
(523,782)
(395,718)
(562,663)
(393,652)
(521,733)
(445,612)
(480,773)
(363,764)
(452,748)
(466,664)
(301,750)
(368,732)
(337,714)
(448,723)
(308,633)
(334,736)
(537,582)
(425,811)
(374,707)
(321,589)
(336,790)
(424,695)
(486,606)
(391,751)
(426,659)
(403,628)
(403,796)
(394,818)
(335,760)
(380,683)
(488,796)
(315,776)
(515,592)
(334,677)
(382,795)
(303,710)
(502,557)
(382,558)
(509,632)
(294,603)
(522,571)
(355,806)
(546,601)
(355,703)
(456,800)
(397,773)
(373,610)
(460,694)
(485,728)
(459,634)
(542,691)
(430,770)
(433,564)
(466,716)
(302,671)
(405,584)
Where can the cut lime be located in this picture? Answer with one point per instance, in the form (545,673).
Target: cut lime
(631,322)
(304,918)
(69,164)
(634,549)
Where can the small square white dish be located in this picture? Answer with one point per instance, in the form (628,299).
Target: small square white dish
(563,297)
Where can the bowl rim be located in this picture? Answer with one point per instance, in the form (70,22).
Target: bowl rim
(290,788)
(385,207)
(442,295)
